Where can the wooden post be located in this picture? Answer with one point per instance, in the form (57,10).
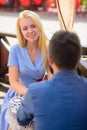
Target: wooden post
(66,13)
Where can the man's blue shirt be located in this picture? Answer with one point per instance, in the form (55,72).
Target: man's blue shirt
(56,104)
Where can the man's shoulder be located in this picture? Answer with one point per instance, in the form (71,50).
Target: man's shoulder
(39,90)
(39,85)
(83,79)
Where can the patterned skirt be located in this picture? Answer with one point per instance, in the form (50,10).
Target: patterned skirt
(11,115)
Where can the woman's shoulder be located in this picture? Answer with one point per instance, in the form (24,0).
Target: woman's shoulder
(16,45)
(17,49)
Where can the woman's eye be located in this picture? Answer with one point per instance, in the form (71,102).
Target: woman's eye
(33,26)
(25,28)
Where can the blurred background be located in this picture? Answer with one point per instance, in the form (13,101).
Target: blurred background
(9,10)
(40,5)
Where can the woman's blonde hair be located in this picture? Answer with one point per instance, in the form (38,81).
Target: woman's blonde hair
(42,40)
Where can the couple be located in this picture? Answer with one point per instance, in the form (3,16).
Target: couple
(57,103)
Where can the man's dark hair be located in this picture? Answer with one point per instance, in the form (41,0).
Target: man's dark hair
(65,49)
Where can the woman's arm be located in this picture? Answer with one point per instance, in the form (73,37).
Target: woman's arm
(13,79)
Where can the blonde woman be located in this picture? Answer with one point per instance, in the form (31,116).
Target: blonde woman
(27,60)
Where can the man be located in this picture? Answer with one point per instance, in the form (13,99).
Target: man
(59,103)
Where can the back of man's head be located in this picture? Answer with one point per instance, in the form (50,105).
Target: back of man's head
(65,49)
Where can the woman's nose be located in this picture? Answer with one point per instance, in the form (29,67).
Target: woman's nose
(30,29)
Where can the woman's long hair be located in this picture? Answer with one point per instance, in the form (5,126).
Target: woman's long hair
(42,40)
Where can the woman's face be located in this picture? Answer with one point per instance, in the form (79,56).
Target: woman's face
(29,29)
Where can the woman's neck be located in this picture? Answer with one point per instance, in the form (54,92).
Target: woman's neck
(32,46)
(33,51)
